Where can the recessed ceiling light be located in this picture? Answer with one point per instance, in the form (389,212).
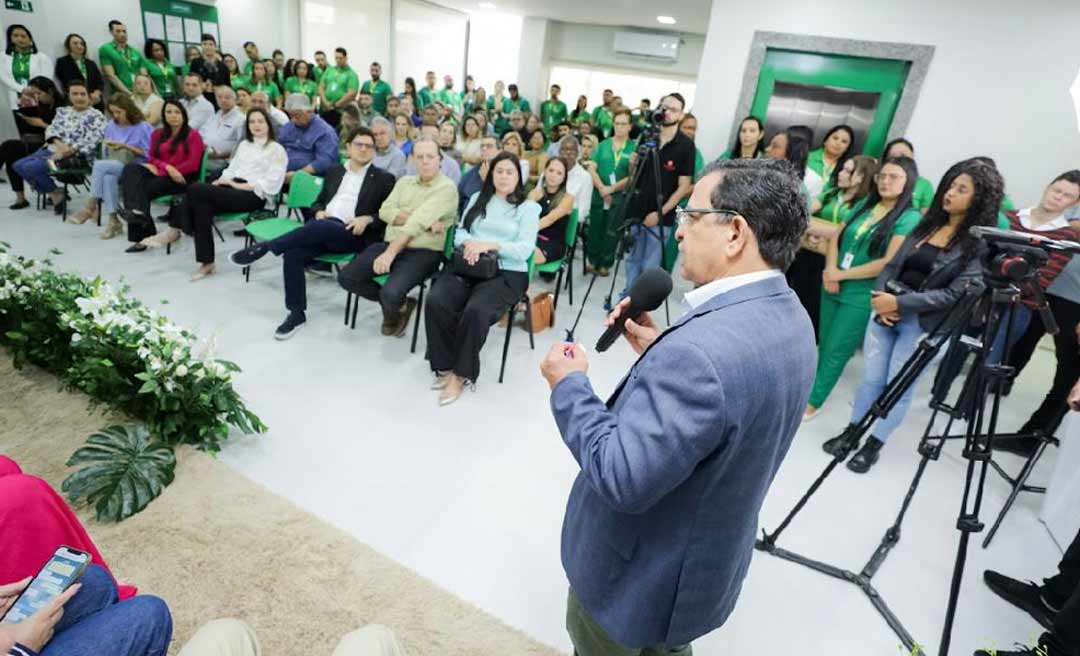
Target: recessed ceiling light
(487,5)
(666,20)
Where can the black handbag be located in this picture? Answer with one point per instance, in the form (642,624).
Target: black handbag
(486,267)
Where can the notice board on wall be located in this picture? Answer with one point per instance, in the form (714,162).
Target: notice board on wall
(179,24)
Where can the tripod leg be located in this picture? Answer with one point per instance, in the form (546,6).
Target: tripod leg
(1018,487)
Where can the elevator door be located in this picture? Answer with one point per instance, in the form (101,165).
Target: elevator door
(821,90)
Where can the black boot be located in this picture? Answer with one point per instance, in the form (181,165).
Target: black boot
(866,457)
(834,445)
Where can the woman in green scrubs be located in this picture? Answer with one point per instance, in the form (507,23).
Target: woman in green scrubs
(857,254)
(839,144)
(161,71)
(259,81)
(237,78)
(301,81)
(924,189)
(610,170)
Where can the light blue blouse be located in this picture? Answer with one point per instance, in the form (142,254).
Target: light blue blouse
(513,228)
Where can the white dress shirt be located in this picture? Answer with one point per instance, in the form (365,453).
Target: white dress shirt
(580,185)
(697,297)
(261,163)
(343,204)
(223,132)
(279,117)
(199,111)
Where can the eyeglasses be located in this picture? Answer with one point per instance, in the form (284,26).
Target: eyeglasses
(363,145)
(889,177)
(684,215)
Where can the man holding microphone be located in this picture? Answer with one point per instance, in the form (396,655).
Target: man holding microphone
(661,521)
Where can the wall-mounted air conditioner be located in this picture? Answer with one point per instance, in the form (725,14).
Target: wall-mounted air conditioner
(647,44)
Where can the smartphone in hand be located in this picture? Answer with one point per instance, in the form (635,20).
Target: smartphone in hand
(60,573)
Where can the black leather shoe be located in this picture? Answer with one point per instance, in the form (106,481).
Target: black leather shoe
(1024,595)
(833,446)
(246,256)
(18,205)
(1024,447)
(136,248)
(866,457)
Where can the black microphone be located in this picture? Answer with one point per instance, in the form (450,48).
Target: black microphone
(647,293)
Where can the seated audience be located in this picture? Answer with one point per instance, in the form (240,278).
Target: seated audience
(449,166)
(72,137)
(33,114)
(460,309)
(448,144)
(469,142)
(223,132)
(21,62)
(857,254)
(556,204)
(924,189)
(473,179)
(127,140)
(261,100)
(558,133)
(536,155)
(512,143)
(578,181)
(254,176)
(387,156)
(350,120)
(417,214)
(310,141)
(199,109)
(176,151)
(517,123)
(148,102)
(243,100)
(345,221)
(403,134)
(935,265)
(610,173)
(76,65)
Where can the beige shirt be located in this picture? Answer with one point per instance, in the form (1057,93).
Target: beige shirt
(428,203)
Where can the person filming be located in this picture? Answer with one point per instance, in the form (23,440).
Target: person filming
(661,520)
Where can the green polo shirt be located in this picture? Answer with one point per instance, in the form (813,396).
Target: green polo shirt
(339,81)
(520,105)
(308,87)
(425,97)
(552,112)
(249,66)
(815,161)
(923,195)
(379,91)
(855,251)
(271,89)
(601,118)
(316,72)
(449,97)
(834,208)
(238,80)
(126,63)
(164,77)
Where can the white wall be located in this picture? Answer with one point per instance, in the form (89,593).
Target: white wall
(594,45)
(998,84)
(533,63)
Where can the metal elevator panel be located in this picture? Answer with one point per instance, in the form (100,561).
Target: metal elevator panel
(820,108)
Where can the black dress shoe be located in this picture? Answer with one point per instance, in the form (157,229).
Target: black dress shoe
(246,256)
(288,328)
(136,248)
(19,205)
(833,446)
(1024,447)
(866,457)
(1026,596)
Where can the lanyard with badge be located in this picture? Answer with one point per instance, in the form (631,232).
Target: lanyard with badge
(872,219)
(20,67)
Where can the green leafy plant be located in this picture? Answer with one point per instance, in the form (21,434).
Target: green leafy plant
(125,470)
(125,356)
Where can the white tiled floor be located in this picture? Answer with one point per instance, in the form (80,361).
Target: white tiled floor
(472,496)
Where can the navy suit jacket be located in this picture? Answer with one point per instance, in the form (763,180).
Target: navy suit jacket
(661,521)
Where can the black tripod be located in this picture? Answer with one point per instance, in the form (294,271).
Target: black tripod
(984,381)
(648,152)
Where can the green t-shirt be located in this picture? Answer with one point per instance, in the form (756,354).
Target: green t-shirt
(237,80)
(552,112)
(583,117)
(601,117)
(339,81)
(520,105)
(270,88)
(611,164)
(449,97)
(923,195)
(308,87)
(379,91)
(126,63)
(502,119)
(815,161)
(164,77)
(855,251)
(249,66)
(425,97)
(316,73)
(834,208)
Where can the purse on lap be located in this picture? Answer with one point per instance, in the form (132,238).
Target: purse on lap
(486,267)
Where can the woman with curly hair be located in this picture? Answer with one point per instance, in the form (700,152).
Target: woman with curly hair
(935,265)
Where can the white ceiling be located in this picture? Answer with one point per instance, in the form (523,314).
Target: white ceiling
(692,16)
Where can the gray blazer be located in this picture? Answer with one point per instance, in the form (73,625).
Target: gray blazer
(953,273)
(661,521)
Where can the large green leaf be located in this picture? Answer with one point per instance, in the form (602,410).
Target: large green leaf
(125,470)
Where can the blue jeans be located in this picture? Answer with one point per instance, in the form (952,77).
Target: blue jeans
(1021,319)
(105,183)
(34,169)
(886,349)
(95,623)
(644,254)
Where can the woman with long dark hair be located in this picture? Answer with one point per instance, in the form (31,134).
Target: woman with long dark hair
(260,80)
(300,81)
(160,69)
(254,175)
(21,62)
(237,79)
(581,113)
(34,112)
(77,65)
(460,309)
(410,91)
(857,254)
(931,271)
(749,142)
(924,189)
(555,208)
(174,159)
(838,146)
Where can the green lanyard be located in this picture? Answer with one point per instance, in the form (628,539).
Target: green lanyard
(868,223)
(129,55)
(81,63)
(166,70)
(619,154)
(20,67)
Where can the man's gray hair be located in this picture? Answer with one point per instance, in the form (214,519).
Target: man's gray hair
(298,102)
(225,87)
(383,121)
(262,95)
(427,139)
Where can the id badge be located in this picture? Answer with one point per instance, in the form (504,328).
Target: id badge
(848,259)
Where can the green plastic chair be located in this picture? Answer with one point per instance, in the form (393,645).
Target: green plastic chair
(352,306)
(303,192)
(562,265)
(204,166)
(266,230)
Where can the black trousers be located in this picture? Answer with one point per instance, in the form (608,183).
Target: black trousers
(1047,417)
(138,187)
(299,247)
(12,151)
(460,311)
(804,278)
(1063,591)
(205,201)
(411,267)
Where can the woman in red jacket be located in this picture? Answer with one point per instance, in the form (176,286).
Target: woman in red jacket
(174,159)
